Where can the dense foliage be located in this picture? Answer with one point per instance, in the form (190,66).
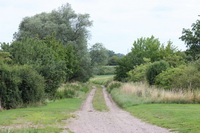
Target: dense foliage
(147,50)
(163,65)
(154,70)
(20,85)
(138,74)
(166,78)
(68,28)
(191,37)
(48,50)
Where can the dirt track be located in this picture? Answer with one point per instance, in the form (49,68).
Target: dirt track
(114,121)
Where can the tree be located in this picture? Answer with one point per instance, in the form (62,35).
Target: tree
(113,57)
(191,37)
(142,48)
(44,56)
(99,54)
(170,54)
(125,64)
(68,27)
(146,48)
(113,60)
(5,57)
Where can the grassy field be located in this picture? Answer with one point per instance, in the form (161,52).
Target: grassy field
(143,102)
(42,119)
(98,100)
(101,79)
(184,118)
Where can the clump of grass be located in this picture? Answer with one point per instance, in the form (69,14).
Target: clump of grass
(132,94)
(112,85)
(99,101)
(72,90)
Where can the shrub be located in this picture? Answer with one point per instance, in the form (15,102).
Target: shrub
(189,79)
(31,86)
(166,78)
(20,85)
(155,69)
(71,90)
(10,95)
(138,74)
(113,85)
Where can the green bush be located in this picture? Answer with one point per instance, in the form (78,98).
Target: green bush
(188,80)
(138,74)
(155,69)
(166,78)
(20,85)
(113,85)
(10,95)
(31,86)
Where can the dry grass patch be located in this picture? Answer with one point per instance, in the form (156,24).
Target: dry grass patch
(154,95)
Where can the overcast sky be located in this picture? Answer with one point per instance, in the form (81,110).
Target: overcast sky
(116,23)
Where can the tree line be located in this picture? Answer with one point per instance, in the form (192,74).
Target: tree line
(48,49)
(164,65)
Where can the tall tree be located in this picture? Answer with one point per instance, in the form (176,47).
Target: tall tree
(142,48)
(191,37)
(99,54)
(43,58)
(68,27)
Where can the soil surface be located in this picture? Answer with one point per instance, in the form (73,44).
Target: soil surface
(115,120)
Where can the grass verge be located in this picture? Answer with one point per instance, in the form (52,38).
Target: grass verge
(138,99)
(183,118)
(99,101)
(47,118)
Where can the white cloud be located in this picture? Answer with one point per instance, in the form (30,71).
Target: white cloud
(117,23)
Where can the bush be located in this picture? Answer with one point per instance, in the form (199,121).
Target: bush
(138,74)
(71,90)
(166,78)
(189,79)
(155,69)
(113,85)
(31,86)
(10,95)
(20,85)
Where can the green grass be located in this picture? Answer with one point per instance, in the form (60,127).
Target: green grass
(184,118)
(101,79)
(47,118)
(99,101)
(32,130)
(124,99)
